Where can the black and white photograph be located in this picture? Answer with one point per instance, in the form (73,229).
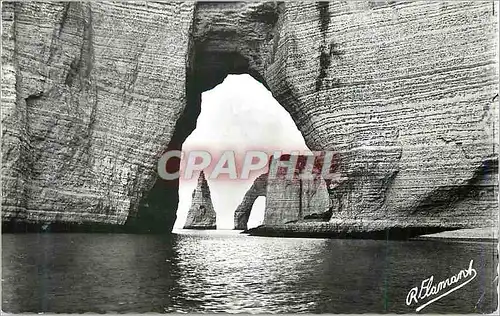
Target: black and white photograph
(332,157)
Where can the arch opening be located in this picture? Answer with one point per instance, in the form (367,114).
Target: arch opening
(238,115)
(215,51)
(256,214)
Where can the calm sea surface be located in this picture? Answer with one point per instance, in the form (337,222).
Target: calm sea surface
(223,271)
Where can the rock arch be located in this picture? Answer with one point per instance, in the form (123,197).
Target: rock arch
(103,89)
(242,213)
(287,200)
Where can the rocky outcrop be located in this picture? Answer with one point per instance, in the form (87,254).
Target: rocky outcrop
(242,213)
(201,215)
(287,200)
(94,92)
(480,190)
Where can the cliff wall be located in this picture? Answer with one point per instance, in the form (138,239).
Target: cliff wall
(91,93)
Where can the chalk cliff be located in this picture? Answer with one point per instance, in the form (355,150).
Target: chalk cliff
(201,214)
(94,92)
(291,200)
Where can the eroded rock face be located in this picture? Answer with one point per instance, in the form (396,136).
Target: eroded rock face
(291,200)
(93,93)
(201,214)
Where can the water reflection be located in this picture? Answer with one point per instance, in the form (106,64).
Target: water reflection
(88,272)
(229,273)
(223,271)
(375,276)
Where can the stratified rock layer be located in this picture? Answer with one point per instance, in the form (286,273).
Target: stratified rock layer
(94,92)
(201,214)
(91,93)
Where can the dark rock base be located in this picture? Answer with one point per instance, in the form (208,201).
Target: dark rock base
(28,227)
(201,227)
(302,231)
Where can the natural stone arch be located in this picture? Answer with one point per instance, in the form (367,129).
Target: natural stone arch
(245,45)
(242,213)
(296,54)
(288,200)
(93,100)
(216,50)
